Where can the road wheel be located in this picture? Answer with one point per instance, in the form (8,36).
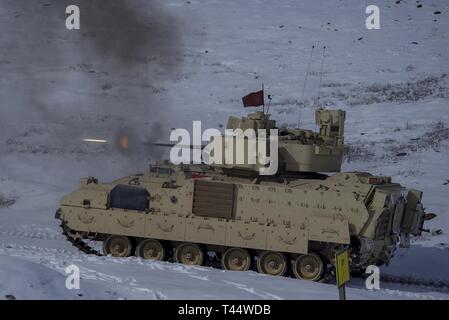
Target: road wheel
(236,259)
(150,249)
(189,253)
(272,263)
(308,267)
(117,246)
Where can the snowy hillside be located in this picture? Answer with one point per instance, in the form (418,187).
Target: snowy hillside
(141,68)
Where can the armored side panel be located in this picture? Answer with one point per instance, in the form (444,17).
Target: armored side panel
(411,220)
(309,158)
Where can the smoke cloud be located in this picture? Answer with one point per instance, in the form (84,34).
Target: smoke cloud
(115,65)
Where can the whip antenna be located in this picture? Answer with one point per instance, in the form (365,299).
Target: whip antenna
(321,77)
(304,86)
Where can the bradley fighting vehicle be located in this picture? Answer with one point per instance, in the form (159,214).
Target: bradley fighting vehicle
(293,221)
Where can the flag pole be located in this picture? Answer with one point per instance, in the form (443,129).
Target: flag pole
(263,99)
(269,103)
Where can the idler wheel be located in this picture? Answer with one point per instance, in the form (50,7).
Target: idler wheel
(236,259)
(272,263)
(117,246)
(308,267)
(189,253)
(150,249)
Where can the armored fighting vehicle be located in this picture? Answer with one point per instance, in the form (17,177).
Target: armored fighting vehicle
(292,221)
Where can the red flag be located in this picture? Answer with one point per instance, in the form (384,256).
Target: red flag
(254,99)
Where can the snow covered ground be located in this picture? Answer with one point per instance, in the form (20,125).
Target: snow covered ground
(193,60)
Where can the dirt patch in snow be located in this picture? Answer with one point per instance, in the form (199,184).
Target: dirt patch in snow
(6,202)
(360,151)
(430,140)
(433,139)
(335,93)
(402,92)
